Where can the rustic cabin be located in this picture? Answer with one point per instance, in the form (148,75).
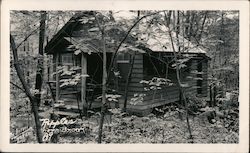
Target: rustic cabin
(77,49)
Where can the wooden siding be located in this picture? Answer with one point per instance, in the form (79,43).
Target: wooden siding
(155,98)
(205,78)
(191,81)
(136,76)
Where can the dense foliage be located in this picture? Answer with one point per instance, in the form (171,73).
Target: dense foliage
(215,31)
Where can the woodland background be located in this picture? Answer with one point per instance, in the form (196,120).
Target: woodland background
(215,31)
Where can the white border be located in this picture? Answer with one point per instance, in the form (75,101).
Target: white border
(243,6)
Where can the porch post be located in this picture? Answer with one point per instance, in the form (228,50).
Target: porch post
(57,78)
(83,88)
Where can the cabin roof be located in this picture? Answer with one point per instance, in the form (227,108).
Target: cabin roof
(95,46)
(161,42)
(154,41)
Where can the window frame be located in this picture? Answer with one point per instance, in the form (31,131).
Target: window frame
(122,59)
(66,61)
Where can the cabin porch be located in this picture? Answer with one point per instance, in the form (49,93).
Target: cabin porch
(76,82)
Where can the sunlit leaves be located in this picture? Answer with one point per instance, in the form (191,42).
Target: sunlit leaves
(181,63)
(84,20)
(137,99)
(73,77)
(94,29)
(184,85)
(128,48)
(116,111)
(156,83)
(77,52)
(111,97)
(196,72)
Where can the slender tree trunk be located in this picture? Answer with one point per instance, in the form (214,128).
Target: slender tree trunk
(132,59)
(215,94)
(57,78)
(182,94)
(105,76)
(123,40)
(221,46)
(178,78)
(178,30)
(84,104)
(187,23)
(202,26)
(104,79)
(191,30)
(32,99)
(211,96)
(39,73)
(104,82)
(127,82)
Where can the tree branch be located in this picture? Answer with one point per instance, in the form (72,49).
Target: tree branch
(27,90)
(178,77)
(104,80)
(120,44)
(18,69)
(17,86)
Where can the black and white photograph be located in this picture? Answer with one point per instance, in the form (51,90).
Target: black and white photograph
(124,76)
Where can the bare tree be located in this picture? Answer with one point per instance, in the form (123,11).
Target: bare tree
(179,83)
(104,79)
(33,99)
(39,73)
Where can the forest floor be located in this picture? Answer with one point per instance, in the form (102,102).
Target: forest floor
(170,127)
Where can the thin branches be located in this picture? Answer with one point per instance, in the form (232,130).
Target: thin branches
(123,40)
(17,86)
(178,76)
(104,80)
(27,90)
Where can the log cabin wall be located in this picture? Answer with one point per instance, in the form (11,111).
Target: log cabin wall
(155,98)
(137,75)
(190,77)
(151,98)
(205,78)
(197,86)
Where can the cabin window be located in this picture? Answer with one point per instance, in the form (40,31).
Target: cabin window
(153,67)
(123,58)
(67,60)
(123,64)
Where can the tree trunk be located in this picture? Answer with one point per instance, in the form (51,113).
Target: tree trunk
(84,85)
(127,83)
(39,73)
(57,77)
(132,59)
(202,27)
(178,78)
(32,99)
(104,82)
(215,94)
(123,40)
(211,96)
